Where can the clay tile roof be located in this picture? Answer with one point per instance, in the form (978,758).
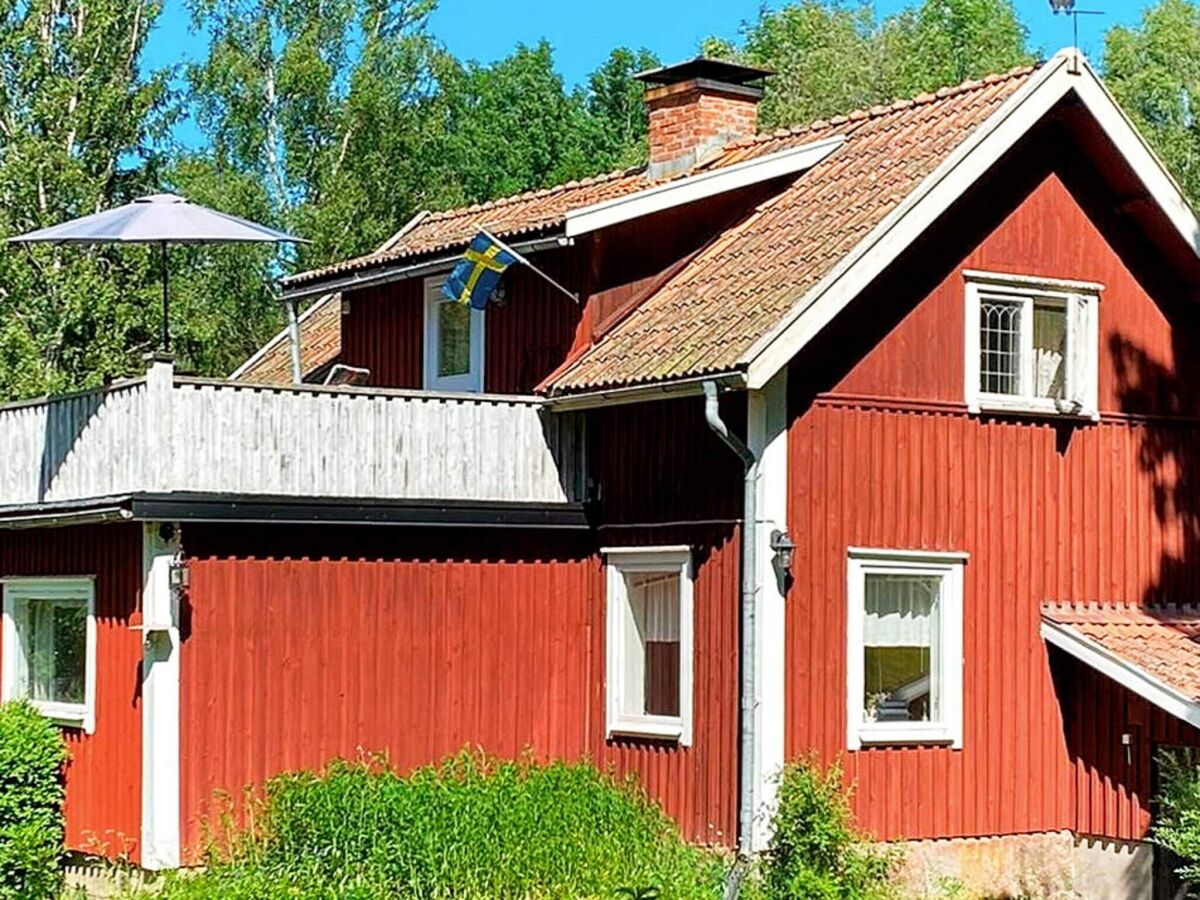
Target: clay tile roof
(738,287)
(1163,642)
(523,214)
(320,343)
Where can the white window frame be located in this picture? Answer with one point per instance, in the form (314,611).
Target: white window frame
(620,560)
(472,381)
(75,587)
(949,566)
(1081,381)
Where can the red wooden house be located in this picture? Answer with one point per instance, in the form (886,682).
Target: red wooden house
(938,354)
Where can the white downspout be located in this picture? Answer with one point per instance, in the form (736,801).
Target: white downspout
(749,666)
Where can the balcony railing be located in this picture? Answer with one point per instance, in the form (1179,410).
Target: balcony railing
(172,434)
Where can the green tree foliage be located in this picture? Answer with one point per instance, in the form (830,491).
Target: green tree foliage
(1177,824)
(1154,72)
(32,755)
(75,112)
(830,58)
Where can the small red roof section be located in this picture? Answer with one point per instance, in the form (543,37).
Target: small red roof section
(1154,644)
(320,344)
(530,213)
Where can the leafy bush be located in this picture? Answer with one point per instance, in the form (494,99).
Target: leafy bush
(471,827)
(1177,825)
(32,754)
(815,852)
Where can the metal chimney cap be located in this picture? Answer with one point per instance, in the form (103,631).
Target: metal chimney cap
(703,67)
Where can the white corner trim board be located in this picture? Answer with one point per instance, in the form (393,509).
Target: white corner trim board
(699,187)
(768,440)
(160,704)
(949,181)
(1123,672)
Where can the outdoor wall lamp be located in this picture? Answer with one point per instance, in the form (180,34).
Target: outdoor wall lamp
(785,550)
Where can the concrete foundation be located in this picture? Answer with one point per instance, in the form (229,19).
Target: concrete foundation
(1055,866)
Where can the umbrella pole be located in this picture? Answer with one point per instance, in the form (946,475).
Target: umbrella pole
(166,292)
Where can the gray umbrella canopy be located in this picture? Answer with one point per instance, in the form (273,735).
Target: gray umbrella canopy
(158,219)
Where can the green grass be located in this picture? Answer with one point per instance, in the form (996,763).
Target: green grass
(471,827)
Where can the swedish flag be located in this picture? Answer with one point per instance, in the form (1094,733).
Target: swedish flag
(474,279)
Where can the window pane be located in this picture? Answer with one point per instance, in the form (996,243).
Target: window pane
(55,649)
(1050,350)
(1000,347)
(454,339)
(652,645)
(900,634)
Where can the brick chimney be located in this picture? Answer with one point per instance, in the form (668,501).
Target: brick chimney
(696,107)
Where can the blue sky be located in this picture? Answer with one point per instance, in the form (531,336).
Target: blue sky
(583,33)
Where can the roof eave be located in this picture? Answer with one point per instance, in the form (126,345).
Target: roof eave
(1132,677)
(1064,73)
(641,393)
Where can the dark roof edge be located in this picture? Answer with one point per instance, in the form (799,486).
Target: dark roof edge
(287,510)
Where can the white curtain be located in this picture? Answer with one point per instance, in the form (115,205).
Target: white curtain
(900,610)
(654,599)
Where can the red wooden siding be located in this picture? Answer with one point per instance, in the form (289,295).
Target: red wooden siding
(1113,791)
(304,644)
(383,331)
(524,339)
(884,454)
(104,773)
(530,335)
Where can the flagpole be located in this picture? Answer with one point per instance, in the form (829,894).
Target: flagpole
(521,259)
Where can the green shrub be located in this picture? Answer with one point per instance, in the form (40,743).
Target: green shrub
(815,852)
(32,754)
(1177,822)
(471,827)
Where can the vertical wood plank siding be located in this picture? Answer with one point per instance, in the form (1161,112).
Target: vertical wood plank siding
(884,454)
(41,441)
(308,643)
(362,444)
(222,437)
(103,774)
(524,338)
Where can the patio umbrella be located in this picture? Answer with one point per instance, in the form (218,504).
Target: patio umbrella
(161,219)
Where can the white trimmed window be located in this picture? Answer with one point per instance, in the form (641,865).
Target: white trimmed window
(649,642)
(453,342)
(49,651)
(904,647)
(1032,344)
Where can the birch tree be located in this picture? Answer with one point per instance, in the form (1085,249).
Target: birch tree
(76,120)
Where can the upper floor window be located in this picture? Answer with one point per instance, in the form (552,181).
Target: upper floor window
(649,642)
(904,644)
(49,647)
(453,342)
(1032,344)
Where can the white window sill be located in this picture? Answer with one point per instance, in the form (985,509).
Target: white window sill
(906,734)
(66,715)
(667,728)
(1032,406)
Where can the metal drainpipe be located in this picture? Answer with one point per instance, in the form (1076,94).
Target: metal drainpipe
(294,339)
(712,415)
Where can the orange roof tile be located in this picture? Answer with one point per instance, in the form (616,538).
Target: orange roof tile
(522,214)
(741,285)
(1163,641)
(320,343)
